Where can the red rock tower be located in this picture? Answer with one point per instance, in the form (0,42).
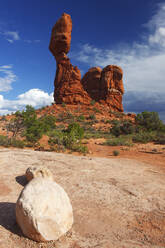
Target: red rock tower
(68,87)
(104,86)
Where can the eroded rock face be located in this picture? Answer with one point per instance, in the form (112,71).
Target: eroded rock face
(61,37)
(104,86)
(111,87)
(68,87)
(43,210)
(91,82)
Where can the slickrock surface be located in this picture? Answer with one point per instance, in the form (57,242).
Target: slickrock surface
(116,202)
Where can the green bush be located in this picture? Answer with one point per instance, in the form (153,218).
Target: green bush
(92,102)
(7,142)
(96,110)
(119,141)
(160,138)
(81,118)
(92,117)
(122,127)
(116,152)
(144,137)
(63,105)
(69,138)
(149,121)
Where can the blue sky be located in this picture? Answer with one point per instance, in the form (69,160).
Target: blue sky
(129,33)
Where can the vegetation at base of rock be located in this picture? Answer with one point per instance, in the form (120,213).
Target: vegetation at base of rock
(7,142)
(69,138)
(149,121)
(116,152)
(92,102)
(147,128)
(122,127)
(118,141)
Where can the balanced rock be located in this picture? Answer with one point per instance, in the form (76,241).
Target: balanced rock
(104,86)
(43,210)
(61,37)
(38,171)
(68,87)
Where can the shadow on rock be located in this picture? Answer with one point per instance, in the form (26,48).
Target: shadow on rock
(21,180)
(8,219)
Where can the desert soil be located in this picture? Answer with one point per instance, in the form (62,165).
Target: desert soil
(117,202)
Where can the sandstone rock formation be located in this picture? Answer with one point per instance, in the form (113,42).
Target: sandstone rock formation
(43,210)
(38,171)
(111,87)
(91,82)
(105,86)
(68,87)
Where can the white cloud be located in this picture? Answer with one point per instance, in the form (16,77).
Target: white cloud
(34,97)
(11,36)
(7,77)
(143,63)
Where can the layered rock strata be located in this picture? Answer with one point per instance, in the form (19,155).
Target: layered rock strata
(104,86)
(68,87)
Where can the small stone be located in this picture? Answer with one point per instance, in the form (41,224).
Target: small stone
(38,171)
(43,210)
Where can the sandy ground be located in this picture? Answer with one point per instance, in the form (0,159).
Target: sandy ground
(117,202)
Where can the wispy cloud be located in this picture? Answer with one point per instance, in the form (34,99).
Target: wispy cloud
(142,62)
(32,41)
(7,77)
(35,97)
(11,36)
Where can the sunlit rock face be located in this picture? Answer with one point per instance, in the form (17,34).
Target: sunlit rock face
(102,85)
(111,87)
(105,86)
(68,87)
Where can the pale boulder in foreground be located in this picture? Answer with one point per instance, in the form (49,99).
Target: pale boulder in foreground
(38,171)
(43,210)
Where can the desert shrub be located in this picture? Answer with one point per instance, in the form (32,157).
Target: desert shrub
(35,127)
(116,152)
(63,105)
(47,122)
(144,137)
(75,130)
(96,110)
(17,143)
(81,118)
(149,121)
(69,138)
(160,138)
(122,127)
(5,141)
(118,141)
(92,102)
(92,117)
(61,117)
